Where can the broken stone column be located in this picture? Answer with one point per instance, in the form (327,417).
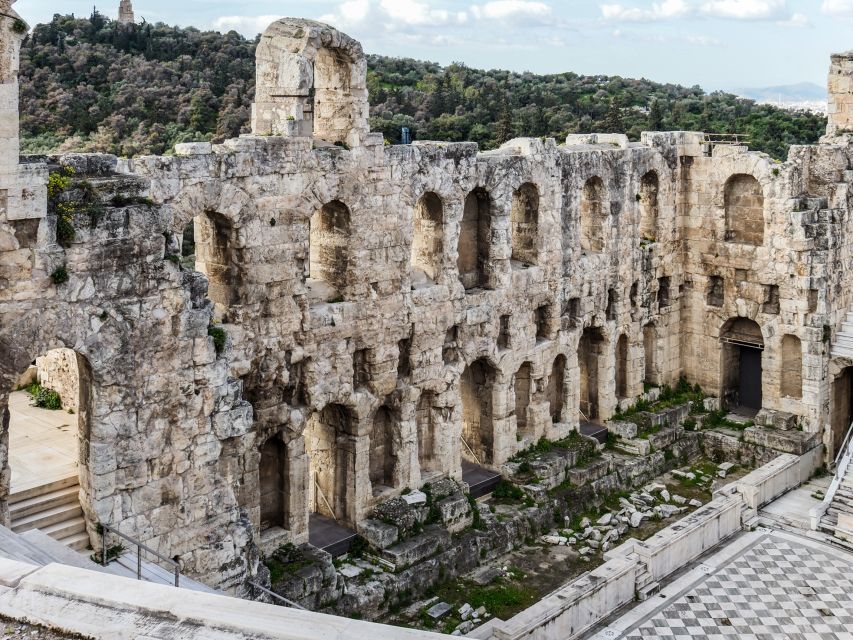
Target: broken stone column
(841,94)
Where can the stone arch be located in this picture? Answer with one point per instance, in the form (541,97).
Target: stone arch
(383,456)
(525,224)
(741,364)
(590,353)
(791,383)
(556,389)
(649,209)
(214,256)
(622,366)
(329,239)
(744,206)
(592,215)
(428,239)
(273,481)
(331,460)
(475,240)
(476,390)
(311,80)
(523,388)
(67,435)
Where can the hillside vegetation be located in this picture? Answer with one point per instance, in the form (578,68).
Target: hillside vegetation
(95,85)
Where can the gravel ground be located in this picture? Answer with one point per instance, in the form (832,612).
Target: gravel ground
(15,630)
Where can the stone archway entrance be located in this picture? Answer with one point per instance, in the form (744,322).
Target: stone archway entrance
(841,408)
(741,365)
(48,419)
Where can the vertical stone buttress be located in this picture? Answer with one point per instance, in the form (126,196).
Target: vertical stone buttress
(841,94)
(125,12)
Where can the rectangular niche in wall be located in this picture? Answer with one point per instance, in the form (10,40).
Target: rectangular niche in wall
(716,291)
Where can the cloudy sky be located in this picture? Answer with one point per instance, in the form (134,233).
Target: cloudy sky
(719,44)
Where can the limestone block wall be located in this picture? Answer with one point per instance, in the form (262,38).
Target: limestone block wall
(58,370)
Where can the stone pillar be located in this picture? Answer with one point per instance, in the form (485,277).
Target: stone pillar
(840,94)
(23,194)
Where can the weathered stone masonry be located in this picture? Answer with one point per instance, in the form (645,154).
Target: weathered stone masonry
(391,311)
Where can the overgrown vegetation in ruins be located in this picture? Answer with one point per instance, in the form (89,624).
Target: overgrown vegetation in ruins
(94,85)
(43,397)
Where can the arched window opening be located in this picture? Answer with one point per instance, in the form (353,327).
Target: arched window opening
(428,241)
(49,446)
(589,355)
(592,215)
(525,225)
(557,389)
(383,458)
(523,388)
(744,201)
(649,185)
(330,462)
(792,367)
(329,252)
(477,385)
(273,484)
(475,240)
(214,246)
(622,367)
(188,257)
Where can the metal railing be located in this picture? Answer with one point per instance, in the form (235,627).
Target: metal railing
(843,460)
(275,596)
(726,138)
(139,549)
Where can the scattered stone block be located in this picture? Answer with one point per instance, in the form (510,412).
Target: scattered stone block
(438,611)
(415,498)
(379,534)
(605,520)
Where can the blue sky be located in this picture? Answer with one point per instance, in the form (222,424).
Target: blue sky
(719,44)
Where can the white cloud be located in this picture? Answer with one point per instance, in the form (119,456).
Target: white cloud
(796,21)
(511,10)
(838,7)
(725,9)
(420,14)
(660,38)
(747,9)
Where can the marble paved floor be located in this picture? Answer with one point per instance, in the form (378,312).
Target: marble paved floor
(780,586)
(42,443)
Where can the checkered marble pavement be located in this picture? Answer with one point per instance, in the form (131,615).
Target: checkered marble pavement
(779,589)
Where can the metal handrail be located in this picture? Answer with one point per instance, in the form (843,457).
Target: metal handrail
(274,595)
(139,549)
(844,446)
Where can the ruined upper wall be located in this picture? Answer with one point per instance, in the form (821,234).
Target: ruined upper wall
(841,94)
(311,82)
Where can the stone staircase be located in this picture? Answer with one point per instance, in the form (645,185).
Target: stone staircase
(842,502)
(842,346)
(54,509)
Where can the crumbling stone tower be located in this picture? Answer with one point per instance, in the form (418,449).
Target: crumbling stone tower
(841,94)
(125,12)
(311,82)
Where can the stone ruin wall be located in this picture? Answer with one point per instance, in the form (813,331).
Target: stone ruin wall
(372,368)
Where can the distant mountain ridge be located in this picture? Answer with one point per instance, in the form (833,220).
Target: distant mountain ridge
(800,92)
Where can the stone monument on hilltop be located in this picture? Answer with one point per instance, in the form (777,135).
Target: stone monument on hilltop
(125,12)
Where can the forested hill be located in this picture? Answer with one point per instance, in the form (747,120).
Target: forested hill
(95,85)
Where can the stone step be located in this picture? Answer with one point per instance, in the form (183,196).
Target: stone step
(48,517)
(42,489)
(843,340)
(846,327)
(78,542)
(66,528)
(841,352)
(36,504)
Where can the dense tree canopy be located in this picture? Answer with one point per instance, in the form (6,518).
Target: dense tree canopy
(95,85)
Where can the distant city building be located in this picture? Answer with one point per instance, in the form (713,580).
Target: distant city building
(125,12)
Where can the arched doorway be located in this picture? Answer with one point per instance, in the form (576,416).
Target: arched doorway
(841,413)
(49,425)
(522,387)
(330,463)
(476,387)
(328,251)
(383,457)
(525,224)
(589,353)
(475,240)
(214,257)
(741,365)
(273,475)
